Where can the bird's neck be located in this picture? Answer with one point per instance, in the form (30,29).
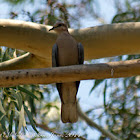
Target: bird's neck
(63,32)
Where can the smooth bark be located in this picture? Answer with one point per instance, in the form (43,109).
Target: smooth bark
(99,42)
(25,61)
(70,73)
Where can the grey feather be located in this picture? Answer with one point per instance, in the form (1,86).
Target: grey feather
(80,59)
(80,53)
(55,56)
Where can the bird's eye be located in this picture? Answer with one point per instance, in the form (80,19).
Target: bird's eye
(59,25)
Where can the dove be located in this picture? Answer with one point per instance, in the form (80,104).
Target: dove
(65,52)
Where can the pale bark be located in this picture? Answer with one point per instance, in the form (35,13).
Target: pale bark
(25,61)
(70,73)
(101,41)
(27,36)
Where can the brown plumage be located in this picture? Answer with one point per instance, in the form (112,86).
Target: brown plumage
(66,52)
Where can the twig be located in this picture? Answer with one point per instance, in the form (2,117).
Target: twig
(94,125)
(68,136)
(131,132)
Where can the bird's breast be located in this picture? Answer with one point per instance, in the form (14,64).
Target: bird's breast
(67,50)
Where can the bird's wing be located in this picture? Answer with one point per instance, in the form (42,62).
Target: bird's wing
(55,63)
(80,59)
(55,56)
(80,53)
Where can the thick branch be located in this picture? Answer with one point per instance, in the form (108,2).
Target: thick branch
(70,73)
(27,36)
(94,125)
(25,61)
(101,41)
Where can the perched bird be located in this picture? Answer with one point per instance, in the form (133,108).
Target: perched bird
(67,52)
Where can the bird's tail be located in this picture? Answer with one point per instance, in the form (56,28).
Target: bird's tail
(69,112)
(69,104)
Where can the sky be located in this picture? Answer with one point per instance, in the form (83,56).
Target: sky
(107,11)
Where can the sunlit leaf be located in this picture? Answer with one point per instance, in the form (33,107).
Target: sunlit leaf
(1,108)
(21,119)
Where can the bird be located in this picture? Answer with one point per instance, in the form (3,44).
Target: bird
(65,52)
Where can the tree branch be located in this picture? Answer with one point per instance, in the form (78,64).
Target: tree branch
(27,36)
(25,61)
(99,42)
(94,125)
(70,73)
(72,136)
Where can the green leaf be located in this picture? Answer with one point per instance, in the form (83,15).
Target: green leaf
(11,124)
(127,3)
(32,106)
(21,119)
(5,55)
(18,97)
(16,125)
(14,2)
(30,119)
(104,93)
(27,92)
(97,83)
(1,108)
(50,105)
(124,17)
(3,122)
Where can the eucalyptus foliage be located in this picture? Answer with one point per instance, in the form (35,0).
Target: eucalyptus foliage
(29,105)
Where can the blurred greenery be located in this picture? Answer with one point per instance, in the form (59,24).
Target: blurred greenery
(24,106)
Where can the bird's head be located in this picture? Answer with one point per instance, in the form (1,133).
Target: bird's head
(59,27)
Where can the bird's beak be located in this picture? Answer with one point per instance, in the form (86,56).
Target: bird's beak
(52,28)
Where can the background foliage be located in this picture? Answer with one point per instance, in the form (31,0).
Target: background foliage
(36,106)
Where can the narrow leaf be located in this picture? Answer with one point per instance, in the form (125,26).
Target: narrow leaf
(21,119)
(97,82)
(16,126)
(11,123)
(3,122)
(1,108)
(18,97)
(30,118)
(104,93)
(27,92)
(1,117)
